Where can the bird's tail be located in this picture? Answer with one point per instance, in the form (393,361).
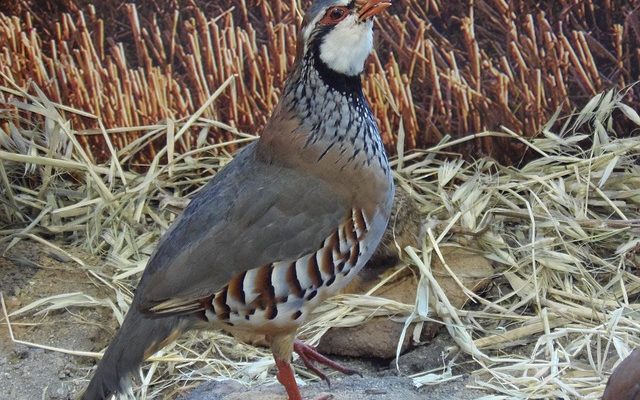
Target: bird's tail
(138,338)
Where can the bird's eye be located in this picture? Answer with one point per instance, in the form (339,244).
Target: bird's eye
(334,15)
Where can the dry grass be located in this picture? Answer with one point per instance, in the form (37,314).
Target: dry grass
(563,232)
(441,68)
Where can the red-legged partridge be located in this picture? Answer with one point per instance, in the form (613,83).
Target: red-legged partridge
(289,222)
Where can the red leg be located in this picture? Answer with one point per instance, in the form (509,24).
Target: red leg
(287,379)
(309,353)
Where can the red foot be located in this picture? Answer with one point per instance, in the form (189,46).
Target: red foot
(309,353)
(288,380)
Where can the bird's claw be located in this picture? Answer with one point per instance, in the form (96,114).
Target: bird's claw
(308,354)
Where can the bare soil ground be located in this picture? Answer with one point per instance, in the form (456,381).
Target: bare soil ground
(29,272)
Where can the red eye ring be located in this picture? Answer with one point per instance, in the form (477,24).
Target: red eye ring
(334,15)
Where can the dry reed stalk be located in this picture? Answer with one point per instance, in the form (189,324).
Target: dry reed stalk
(441,67)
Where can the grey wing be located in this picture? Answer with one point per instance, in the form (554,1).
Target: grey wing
(251,214)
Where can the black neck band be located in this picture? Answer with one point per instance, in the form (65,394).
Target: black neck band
(346,84)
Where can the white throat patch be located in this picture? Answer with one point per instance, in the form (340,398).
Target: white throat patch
(347,46)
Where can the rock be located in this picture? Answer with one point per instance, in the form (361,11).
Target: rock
(472,269)
(379,336)
(59,390)
(424,358)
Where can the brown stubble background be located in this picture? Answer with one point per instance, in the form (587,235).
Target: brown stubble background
(440,68)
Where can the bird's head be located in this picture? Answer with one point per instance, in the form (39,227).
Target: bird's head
(339,33)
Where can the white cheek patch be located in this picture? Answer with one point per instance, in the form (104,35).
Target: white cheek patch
(346,47)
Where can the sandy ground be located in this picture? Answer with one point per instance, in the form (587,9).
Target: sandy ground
(29,272)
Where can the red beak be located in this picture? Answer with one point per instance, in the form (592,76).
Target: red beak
(369,8)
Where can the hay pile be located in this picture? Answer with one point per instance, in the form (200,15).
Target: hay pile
(563,230)
(441,67)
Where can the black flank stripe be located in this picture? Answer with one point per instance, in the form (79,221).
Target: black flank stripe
(271,312)
(293,282)
(270,289)
(312,295)
(296,315)
(314,272)
(241,293)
